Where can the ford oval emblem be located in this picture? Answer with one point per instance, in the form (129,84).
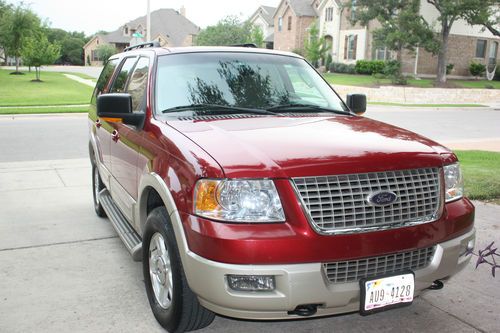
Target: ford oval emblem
(382,198)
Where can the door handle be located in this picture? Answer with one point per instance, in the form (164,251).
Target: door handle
(115,136)
(98,123)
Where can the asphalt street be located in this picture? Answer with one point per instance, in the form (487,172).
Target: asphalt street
(52,137)
(63,269)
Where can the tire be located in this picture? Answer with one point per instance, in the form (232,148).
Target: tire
(176,308)
(97,186)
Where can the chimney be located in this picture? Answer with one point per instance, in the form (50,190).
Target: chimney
(183,11)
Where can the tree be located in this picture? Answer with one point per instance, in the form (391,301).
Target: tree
(105,51)
(401,25)
(228,31)
(488,16)
(16,25)
(472,11)
(315,47)
(4,7)
(38,51)
(71,45)
(257,36)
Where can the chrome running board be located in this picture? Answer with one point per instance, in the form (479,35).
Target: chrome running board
(127,234)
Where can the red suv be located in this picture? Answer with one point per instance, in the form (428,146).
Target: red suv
(250,189)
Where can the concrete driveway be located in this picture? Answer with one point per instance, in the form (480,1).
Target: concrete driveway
(63,269)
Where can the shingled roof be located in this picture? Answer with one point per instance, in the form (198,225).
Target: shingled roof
(166,22)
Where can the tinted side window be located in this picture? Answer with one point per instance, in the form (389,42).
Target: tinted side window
(138,83)
(121,78)
(104,78)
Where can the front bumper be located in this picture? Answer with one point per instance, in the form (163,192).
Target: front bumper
(301,284)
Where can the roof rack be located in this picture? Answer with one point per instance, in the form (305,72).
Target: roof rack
(250,45)
(142,46)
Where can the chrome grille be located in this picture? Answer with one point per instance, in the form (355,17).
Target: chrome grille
(355,270)
(338,204)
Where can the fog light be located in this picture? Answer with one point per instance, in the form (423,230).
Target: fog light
(251,282)
(467,250)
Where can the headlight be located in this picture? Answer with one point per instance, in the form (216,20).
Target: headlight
(454,183)
(238,200)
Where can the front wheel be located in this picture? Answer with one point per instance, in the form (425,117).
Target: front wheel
(173,303)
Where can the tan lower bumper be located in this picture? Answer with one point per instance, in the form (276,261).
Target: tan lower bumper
(302,284)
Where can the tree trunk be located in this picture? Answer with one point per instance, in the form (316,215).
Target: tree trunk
(17,64)
(399,58)
(443,53)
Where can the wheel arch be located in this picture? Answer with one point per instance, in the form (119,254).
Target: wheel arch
(153,192)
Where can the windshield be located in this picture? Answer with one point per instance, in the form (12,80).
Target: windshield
(243,80)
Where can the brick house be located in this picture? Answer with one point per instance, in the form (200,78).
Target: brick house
(291,21)
(263,18)
(169,27)
(355,42)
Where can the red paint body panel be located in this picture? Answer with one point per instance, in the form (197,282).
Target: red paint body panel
(282,147)
(296,242)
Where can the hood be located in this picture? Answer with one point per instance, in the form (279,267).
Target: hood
(282,147)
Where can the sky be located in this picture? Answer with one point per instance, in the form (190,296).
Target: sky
(91,16)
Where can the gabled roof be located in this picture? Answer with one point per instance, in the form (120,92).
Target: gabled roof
(266,12)
(299,7)
(166,21)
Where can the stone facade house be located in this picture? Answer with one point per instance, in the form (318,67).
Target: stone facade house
(169,27)
(263,18)
(355,42)
(291,22)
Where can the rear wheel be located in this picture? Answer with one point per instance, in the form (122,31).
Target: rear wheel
(97,187)
(173,303)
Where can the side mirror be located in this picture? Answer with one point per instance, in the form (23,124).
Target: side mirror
(357,103)
(118,108)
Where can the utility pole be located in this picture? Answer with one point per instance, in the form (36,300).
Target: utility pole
(148,23)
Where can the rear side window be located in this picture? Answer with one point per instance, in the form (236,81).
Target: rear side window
(104,78)
(121,79)
(138,83)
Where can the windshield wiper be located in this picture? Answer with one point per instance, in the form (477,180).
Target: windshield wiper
(210,107)
(302,107)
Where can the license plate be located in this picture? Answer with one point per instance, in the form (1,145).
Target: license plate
(378,294)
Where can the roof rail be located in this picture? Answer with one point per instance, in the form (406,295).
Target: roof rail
(251,45)
(142,46)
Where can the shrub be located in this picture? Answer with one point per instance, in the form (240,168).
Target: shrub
(476,69)
(369,67)
(329,60)
(449,68)
(497,73)
(338,67)
(392,70)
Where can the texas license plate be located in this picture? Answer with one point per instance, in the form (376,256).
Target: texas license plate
(386,292)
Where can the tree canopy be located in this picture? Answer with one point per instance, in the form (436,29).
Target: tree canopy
(228,31)
(315,47)
(71,45)
(16,25)
(105,51)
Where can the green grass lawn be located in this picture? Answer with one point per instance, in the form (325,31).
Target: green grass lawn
(481,174)
(370,81)
(56,89)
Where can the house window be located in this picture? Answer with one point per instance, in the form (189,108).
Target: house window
(125,31)
(350,47)
(380,54)
(94,56)
(480,48)
(493,54)
(353,10)
(289,23)
(280,23)
(329,14)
